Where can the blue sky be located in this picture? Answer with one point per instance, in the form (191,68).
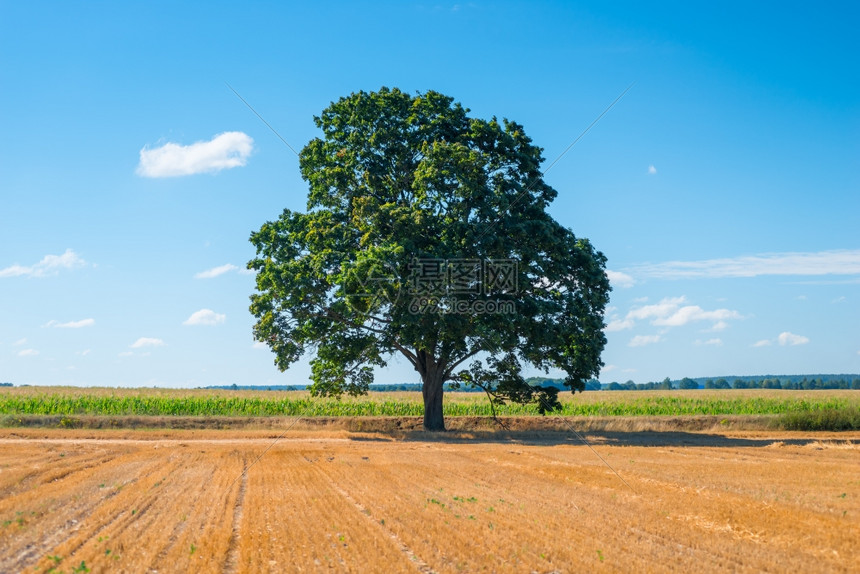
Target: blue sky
(724,188)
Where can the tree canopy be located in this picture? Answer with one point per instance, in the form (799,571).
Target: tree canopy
(427,235)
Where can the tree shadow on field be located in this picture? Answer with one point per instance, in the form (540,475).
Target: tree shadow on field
(699,439)
(626,438)
(581,434)
(691,431)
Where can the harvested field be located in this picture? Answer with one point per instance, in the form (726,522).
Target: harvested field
(240,501)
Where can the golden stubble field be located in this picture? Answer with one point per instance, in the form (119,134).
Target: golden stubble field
(239,501)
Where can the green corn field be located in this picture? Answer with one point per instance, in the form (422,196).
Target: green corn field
(203,403)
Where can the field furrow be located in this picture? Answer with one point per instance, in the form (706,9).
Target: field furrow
(294,516)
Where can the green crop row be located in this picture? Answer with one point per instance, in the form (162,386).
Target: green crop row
(119,405)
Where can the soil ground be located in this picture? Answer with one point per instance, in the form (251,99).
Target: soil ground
(310,498)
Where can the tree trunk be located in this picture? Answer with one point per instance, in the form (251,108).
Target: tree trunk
(432,389)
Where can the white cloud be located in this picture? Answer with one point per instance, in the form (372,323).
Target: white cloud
(838,262)
(786,338)
(260,345)
(716,342)
(839,300)
(691,313)
(642,340)
(619,325)
(215,271)
(72,324)
(126,354)
(147,342)
(49,265)
(670,312)
(28,353)
(662,309)
(84,353)
(205,317)
(19,342)
(224,151)
(619,279)
(652,170)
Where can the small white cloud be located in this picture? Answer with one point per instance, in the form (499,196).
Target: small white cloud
(28,353)
(215,271)
(224,151)
(19,342)
(618,325)
(652,170)
(126,354)
(147,342)
(260,345)
(787,338)
(642,340)
(72,324)
(691,313)
(84,353)
(716,342)
(670,313)
(662,309)
(619,279)
(763,343)
(608,368)
(49,265)
(205,317)
(839,262)
(839,300)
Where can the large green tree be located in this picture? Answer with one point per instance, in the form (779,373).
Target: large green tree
(426,235)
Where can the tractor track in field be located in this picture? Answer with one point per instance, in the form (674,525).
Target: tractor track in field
(231,563)
(413,558)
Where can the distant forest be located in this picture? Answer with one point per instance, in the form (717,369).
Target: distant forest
(790,382)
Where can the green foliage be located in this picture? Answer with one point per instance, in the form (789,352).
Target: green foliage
(69,406)
(687,383)
(396,179)
(831,418)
